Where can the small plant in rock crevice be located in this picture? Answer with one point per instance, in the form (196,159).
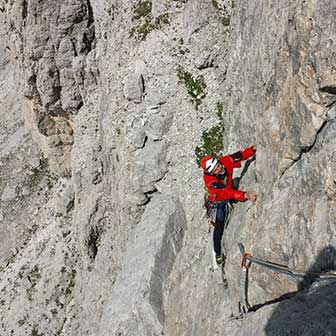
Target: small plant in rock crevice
(219,110)
(142,9)
(182,48)
(212,139)
(215,4)
(145,23)
(223,10)
(35,332)
(196,86)
(38,176)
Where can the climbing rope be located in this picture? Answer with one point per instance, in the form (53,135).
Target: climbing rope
(248,259)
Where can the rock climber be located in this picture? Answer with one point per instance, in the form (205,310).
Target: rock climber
(220,190)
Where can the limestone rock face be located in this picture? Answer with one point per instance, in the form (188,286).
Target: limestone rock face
(51,43)
(102,228)
(279,95)
(136,307)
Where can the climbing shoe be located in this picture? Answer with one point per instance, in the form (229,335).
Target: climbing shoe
(219,260)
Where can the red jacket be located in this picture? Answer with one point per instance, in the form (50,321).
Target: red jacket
(220,187)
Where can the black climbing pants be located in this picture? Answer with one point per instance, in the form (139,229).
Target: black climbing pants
(221,217)
(217,237)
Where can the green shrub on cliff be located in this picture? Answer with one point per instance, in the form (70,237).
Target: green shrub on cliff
(144,21)
(195,86)
(212,139)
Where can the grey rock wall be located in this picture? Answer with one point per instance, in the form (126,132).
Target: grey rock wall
(51,43)
(135,305)
(276,88)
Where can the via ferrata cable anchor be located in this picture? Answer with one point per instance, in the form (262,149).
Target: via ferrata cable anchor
(243,305)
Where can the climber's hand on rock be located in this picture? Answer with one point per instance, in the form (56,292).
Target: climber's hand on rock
(251,196)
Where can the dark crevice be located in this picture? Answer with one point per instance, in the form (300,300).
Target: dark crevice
(306,149)
(329,89)
(32,91)
(206,66)
(80,105)
(32,80)
(149,196)
(145,141)
(24,9)
(57,92)
(90,14)
(331,104)
(208,63)
(70,206)
(291,164)
(56,111)
(74,48)
(150,193)
(142,83)
(89,36)
(51,73)
(88,41)
(94,237)
(56,95)
(93,242)
(77,19)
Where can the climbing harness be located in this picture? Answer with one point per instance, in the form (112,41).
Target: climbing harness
(248,259)
(211,211)
(228,210)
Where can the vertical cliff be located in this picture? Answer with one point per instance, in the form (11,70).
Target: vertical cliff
(107,107)
(280,87)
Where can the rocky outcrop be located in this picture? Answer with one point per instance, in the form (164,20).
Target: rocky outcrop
(136,306)
(53,44)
